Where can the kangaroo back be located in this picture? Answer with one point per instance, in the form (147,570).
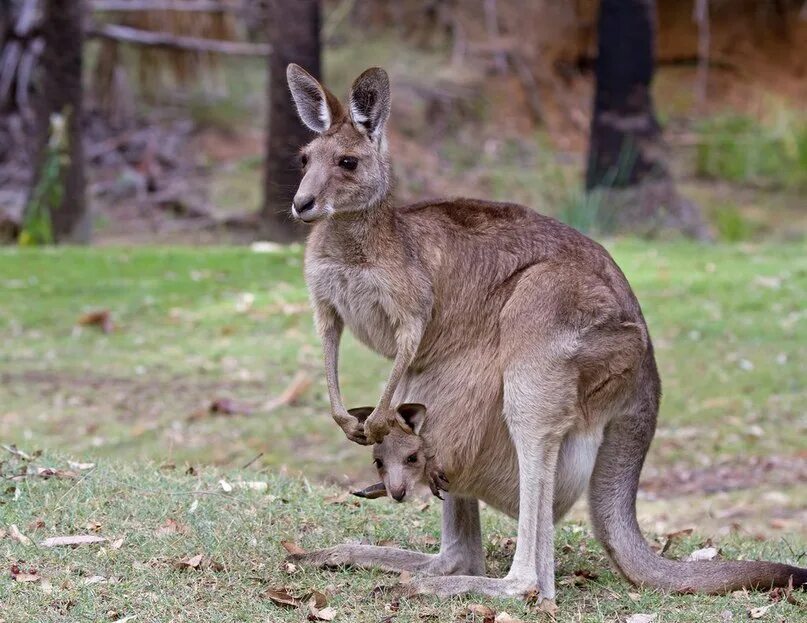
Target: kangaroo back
(612,502)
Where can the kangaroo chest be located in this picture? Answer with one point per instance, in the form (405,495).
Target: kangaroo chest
(361,296)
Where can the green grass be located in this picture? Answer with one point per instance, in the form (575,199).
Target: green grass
(729,326)
(240,533)
(740,149)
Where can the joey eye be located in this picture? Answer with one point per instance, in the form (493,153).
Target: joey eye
(378,463)
(412,458)
(349,163)
(303,160)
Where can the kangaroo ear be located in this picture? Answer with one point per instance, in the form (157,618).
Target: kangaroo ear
(317,107)
(372,492)
(410,417)
(361,413)
(370,102)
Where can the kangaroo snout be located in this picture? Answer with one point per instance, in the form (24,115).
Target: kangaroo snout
(302,205)
(398,494)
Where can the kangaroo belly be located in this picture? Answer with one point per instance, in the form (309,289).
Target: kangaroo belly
(497,483)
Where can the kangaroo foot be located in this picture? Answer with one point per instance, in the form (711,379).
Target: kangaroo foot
(445,586)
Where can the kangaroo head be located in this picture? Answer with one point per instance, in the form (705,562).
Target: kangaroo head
(346,168)
(399,459)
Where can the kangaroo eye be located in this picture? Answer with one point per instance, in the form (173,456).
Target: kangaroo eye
(412,458)
(349,163)
(303,160)
(378,463)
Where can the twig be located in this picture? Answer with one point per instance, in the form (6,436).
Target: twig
(257,456)
(165,40)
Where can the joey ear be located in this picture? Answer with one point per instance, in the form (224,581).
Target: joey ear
(360,413)
(410,417)
(370,102)
(317,107)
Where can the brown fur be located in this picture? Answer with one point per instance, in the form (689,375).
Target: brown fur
(522,337)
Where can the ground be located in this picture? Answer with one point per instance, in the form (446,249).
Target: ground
(207,363)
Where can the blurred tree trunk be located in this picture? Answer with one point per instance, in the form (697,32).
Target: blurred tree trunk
(293,33)
(627,161)
(58,181)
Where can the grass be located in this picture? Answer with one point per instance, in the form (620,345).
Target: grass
(740,149)
(195,325)
(166,516)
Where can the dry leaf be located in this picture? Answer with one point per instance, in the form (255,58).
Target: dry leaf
(503,617)
(226,486)
(50,472)
(292,548)
(289,567)
(15,534)
(548,606)
(282,597)
(228,406)
(101,318)
(316,614)
(117,543)
(190,563)
(95,579)
(640,618)
(486,613)
(339,498)
(707,553)
(80,466)
(21,575)
(17,452)
(78,539)
(758,613)
(131,617)
(170,526)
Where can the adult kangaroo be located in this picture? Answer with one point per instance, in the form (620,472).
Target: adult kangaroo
(512,327)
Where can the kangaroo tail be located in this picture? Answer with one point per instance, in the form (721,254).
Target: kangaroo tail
(612,501)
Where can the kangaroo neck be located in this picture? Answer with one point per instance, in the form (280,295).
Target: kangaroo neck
(363,235)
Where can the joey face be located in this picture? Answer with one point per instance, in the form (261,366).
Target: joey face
(400,458)
(346,169)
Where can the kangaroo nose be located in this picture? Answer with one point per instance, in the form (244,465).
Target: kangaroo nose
(303,204)
(399,495)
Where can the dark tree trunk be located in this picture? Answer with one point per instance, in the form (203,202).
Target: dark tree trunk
(60,93)
(627,163)
(293,33)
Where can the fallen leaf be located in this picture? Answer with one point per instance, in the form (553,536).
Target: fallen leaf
(503,617)
(16,535)
(50,472)
(21,575)
(117,543)
(640,618)
(292,548)
(78,539)
(228,406)
(707,553)
(170,526)
(548,606)
(190,563)
(80,466)
(758,613)
(315,614)
(282,597)
(95,579)
(16,452)
(289,567)
(339,498)
(101,318)
(131,617)
(486,613)
(226,486)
